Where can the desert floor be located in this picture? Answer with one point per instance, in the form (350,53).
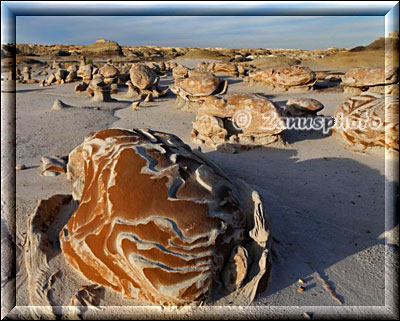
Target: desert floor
(327,203)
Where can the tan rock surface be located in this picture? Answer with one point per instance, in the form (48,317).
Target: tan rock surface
(369,120)
(237,118)
(170,241)
(361,77)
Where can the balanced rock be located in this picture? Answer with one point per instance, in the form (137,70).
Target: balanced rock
(110,73)
(100,90)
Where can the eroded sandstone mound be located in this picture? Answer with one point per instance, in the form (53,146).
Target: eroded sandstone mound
(288,78)
(158,221)
(103,48)
(378,80)
(219,67)
(245,119)
(369,120)
(144,81)
(303,107)
(192,91)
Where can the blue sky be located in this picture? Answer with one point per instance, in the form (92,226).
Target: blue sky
(303,32)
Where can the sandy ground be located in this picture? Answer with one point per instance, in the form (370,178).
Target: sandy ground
(327,203)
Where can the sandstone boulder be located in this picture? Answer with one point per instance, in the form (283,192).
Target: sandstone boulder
(368,120)
(159,222)
(192,91)
(303,107)
(366,77)
(245,119)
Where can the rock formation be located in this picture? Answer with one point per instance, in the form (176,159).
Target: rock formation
(368,120)
(288,78)
(61,75)
(159,222)
(53,166)
(27,75)
(303,107)
(85,72)
(103,48)
(110,73)
(100,90)
(41,245)
(230,69)
(59,105)
(143,80)
(192,91)
(244,119)
(180,71)
(378,80)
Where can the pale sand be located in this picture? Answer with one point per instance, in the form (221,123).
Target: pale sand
(327,203)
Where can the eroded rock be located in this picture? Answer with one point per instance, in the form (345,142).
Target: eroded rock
(368,120)
(303,107)
(191,92)
(160,222)
(288,78)
(100,90)
(59,105)
(53,166)
(373,80)
(143,80)
(245,119)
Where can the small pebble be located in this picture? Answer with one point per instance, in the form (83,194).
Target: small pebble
(20,167)
(300,281)
(300,289)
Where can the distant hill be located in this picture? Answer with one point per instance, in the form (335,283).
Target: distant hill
(391,41)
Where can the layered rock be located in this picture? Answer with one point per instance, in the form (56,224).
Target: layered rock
(27,76)
(110,73)
(85,72)
(303,107)
(244,119)
(357,80)
(99,90)
(368,120)
(158,221)
(288,78)
(144,81)
(103,48)
(192,91)
(180,71)
(220,67)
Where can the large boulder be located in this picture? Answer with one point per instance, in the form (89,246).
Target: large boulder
(366,77)
(368,120)
(293,77)
(158,221)
(245,119)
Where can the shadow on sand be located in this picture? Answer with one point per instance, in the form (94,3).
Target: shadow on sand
(323,211)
